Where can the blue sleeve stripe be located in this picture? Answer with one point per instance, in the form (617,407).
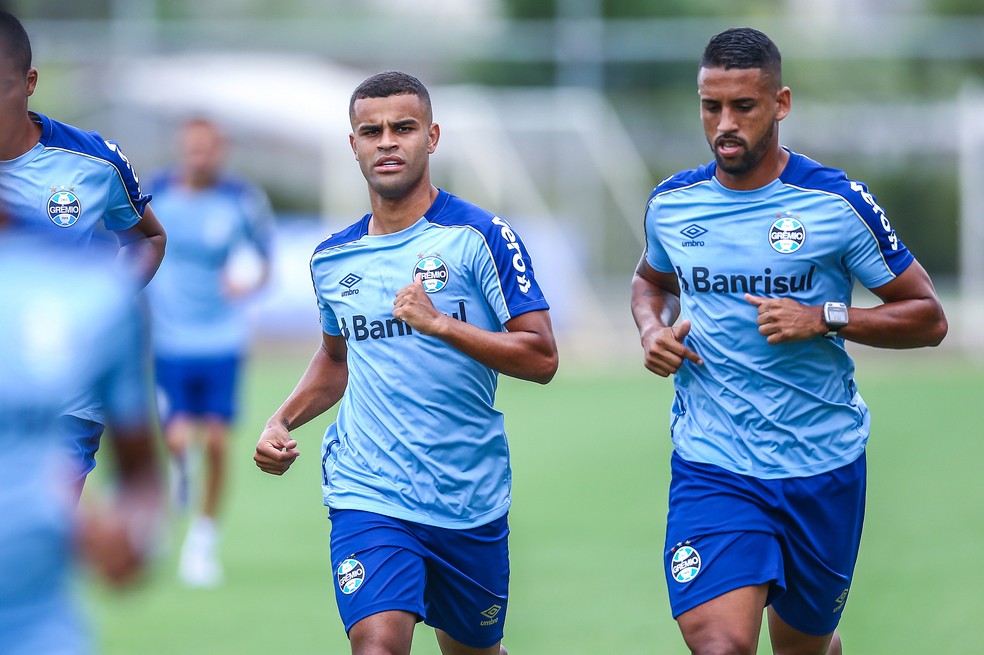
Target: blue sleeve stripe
(895,261)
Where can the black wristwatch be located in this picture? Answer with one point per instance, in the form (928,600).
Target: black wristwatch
(835,316)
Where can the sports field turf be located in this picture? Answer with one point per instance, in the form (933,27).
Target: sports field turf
(590,459)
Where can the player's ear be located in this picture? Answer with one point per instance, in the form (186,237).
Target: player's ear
(352,145)
(32,80)
(784,102)
(433,136)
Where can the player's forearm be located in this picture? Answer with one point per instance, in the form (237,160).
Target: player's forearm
(321,386)
(140,259)
(524,354)
(653,307)
(912,323)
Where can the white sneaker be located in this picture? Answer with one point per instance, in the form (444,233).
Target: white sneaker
(199,565)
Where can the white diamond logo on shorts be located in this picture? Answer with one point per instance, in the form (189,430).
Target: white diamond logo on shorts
(351,575)
(685,564)
(492,611)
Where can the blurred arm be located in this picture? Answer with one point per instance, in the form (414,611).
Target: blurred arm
(142,248)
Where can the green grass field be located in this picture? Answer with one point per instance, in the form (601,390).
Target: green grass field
(590,459)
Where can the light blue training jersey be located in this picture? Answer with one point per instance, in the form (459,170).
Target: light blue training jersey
(770,411)
(193,316)
(67,325)
(417,436)
(71,188)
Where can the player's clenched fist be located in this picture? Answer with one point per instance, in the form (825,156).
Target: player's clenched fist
(414,307)
(276,450)
(665,351)
(783,319)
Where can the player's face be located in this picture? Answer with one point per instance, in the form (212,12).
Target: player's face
(741,109)
(392,139)
(202,152)
(15,89)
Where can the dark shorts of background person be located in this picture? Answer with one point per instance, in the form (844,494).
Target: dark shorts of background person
(801,535)
(453,580)
(201,387)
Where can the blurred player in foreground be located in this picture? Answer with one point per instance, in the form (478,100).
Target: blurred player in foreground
(423,302)
(761,248)
(200,330)
(68,325)
(69,185)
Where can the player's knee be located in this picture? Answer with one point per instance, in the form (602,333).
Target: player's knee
(722,643)
(811,648)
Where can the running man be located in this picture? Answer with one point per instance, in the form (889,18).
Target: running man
(423,303)
(758,251)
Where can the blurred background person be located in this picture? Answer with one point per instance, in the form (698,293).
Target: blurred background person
(71,188)
(200,328)
(69,325)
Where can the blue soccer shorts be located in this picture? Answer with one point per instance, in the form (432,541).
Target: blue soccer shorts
(82,437)
(453,580)
(197,386)
(800,535)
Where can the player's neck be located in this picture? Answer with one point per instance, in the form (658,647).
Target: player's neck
(767,170)
(22,136)
(391,215)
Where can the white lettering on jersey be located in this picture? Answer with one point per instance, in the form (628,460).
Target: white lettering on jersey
(517,261)
(870,199)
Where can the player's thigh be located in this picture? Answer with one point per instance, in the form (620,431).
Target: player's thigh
(378,567)
(729,623)
(388,632)
(787,640)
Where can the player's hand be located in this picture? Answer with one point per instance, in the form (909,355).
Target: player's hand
(665,351)
(107,541)
(781,320)
(413,306)
(276,450)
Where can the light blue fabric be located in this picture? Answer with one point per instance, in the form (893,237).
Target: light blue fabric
(68,327)
(417,436)
(72,188)
(770,411)
(193,315)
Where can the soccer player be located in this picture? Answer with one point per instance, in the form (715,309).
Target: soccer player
(423,302)
(68,324)
(199,325)
(759,250)
(70,187)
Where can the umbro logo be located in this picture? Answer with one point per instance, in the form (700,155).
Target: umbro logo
(693,232)
(491,615)
(348,282)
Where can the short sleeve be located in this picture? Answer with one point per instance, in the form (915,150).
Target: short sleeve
(875,254)
(259,220)
(505,271)
(656,255)
(126,203)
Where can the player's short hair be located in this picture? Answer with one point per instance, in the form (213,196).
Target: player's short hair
(14,41)
(744,47)
(391,83)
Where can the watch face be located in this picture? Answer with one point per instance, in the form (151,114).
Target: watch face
(835,315)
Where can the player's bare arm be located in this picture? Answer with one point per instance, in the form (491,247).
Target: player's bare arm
(117,541)
(655,307)
(321,386)
(142,247)
(910,316)
(526,350)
